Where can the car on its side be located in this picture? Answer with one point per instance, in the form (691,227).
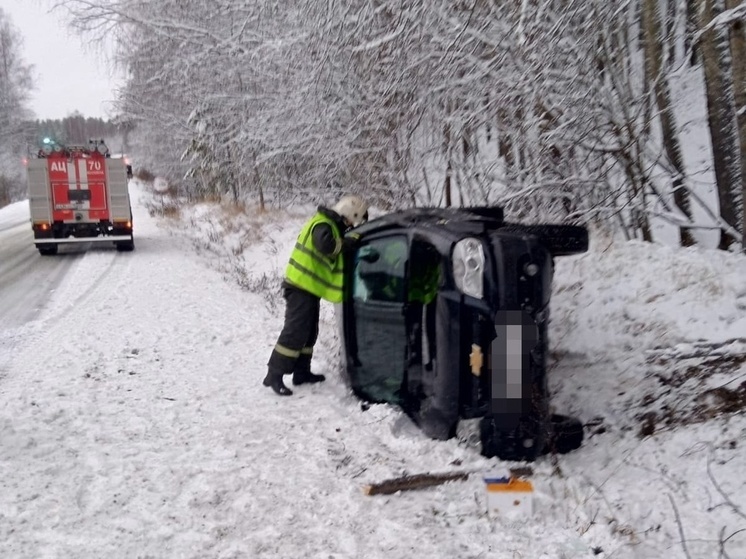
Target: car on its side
(446,315)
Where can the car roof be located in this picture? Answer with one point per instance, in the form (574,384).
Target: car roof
(473,220)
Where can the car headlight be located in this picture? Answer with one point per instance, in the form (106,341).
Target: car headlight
(468,267)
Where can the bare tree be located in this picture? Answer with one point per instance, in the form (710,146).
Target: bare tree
(738,51)
(723,120)
(654,43)
(15,87)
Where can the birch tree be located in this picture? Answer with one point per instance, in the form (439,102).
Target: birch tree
(654,43)
(723,120)
(738,57)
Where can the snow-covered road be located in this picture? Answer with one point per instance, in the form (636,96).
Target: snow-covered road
(26,279)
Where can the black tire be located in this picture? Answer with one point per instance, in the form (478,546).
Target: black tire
(47,250)
(567,434)
(511,445)
(126,246)
(560,240)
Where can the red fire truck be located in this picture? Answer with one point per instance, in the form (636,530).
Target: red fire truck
(79,194)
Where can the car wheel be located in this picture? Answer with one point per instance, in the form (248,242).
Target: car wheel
(523,443)
(567,434)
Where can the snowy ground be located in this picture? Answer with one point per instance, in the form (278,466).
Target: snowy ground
(133,422)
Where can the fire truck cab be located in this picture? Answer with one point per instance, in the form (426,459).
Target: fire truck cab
(78,194)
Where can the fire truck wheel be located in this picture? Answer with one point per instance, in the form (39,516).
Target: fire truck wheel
(126,247)
(47,250)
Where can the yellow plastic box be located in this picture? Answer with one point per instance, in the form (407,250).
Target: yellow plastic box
(509,496)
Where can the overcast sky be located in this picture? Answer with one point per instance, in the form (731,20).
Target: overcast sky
(69,76)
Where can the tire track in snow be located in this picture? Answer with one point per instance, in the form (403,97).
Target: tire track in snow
(25,223)
(38,293)
(88,277)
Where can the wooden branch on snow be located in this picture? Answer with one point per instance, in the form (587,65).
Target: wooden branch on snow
(410,482)
(735,347)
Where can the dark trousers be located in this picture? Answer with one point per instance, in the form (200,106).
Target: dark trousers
(294,347)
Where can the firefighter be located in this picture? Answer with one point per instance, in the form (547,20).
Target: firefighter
(315,271)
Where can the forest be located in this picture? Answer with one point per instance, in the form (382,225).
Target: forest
(620,115)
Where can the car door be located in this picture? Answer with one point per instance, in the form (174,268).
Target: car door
(378,305)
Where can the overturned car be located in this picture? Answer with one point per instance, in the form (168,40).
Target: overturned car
(446,316)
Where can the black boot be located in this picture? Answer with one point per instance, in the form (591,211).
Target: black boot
(303,377)
(276,384)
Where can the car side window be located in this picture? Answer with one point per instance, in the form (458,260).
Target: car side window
(380,270)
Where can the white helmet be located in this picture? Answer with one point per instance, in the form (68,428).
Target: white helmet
(353,209)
